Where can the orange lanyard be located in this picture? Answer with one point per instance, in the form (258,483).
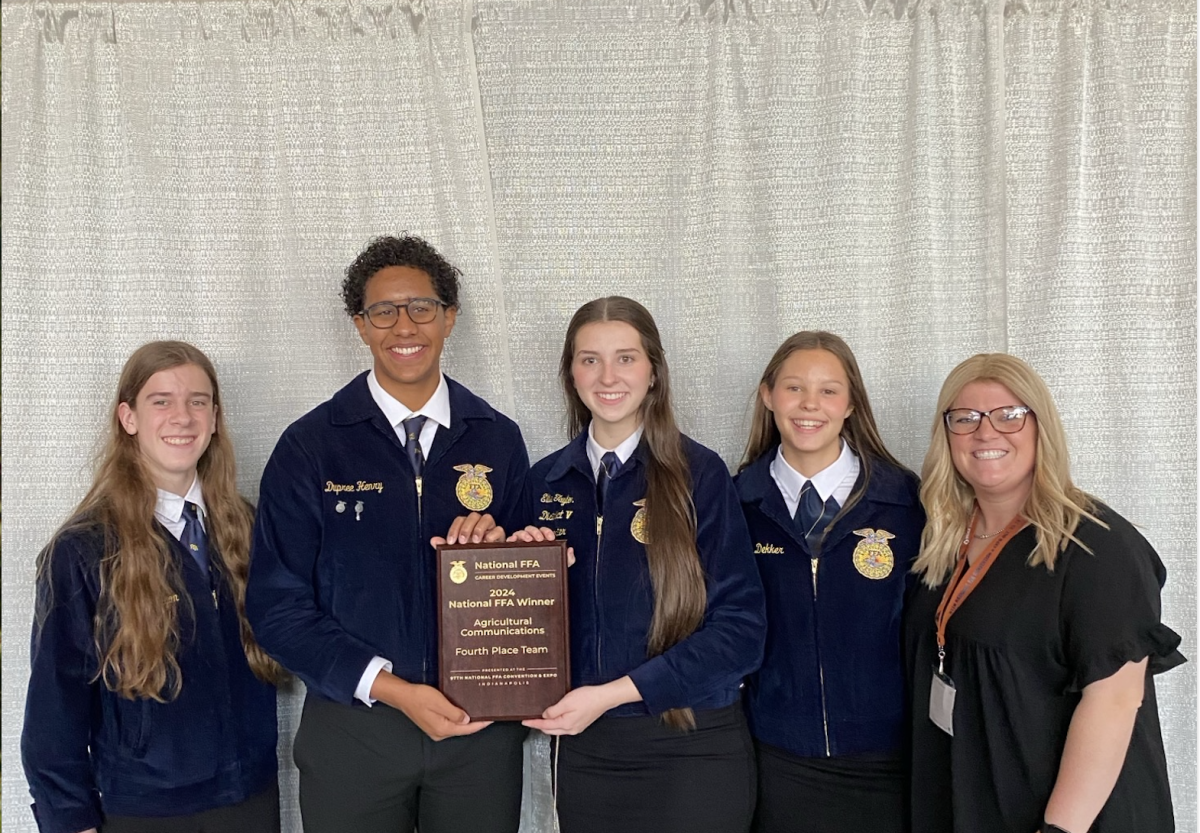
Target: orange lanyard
(964,581)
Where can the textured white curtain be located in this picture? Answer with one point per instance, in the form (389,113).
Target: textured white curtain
(928,179)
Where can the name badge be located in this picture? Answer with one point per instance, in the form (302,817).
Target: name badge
(941,702)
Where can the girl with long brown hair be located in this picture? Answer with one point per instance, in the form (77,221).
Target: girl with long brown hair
(836,523)
(150,705)
(665,602)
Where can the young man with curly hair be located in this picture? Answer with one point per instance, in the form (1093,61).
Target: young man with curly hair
(343,584)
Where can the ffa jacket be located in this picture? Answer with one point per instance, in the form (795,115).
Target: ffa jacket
(831,681)
(89,752)
(341,569)
(611,598)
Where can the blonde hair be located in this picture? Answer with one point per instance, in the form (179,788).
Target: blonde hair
(1055,505)
(135,634)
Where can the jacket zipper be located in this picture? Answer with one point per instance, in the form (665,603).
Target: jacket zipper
(596,588)
(420,527)
(820,666)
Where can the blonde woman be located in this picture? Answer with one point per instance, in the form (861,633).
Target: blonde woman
(151,707)
(1034,633)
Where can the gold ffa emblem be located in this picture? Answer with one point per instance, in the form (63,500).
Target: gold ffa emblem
(458,573)
(473,489)
(637,527)
(873,557)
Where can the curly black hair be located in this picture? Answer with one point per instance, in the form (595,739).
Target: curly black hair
(406,250)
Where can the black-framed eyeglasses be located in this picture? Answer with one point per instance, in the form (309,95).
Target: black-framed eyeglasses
(1007,420)
(384,314)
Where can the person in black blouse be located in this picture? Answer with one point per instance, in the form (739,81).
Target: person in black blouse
(1034,634)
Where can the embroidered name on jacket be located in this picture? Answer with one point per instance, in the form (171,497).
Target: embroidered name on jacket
(359,486)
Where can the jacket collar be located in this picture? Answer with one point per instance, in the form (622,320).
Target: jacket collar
(574,456)
(354,403)
(889,486)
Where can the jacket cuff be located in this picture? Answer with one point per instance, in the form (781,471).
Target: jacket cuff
(658,686)
(344,676)
(66,820)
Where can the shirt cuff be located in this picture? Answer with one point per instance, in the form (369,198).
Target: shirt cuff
(363,690)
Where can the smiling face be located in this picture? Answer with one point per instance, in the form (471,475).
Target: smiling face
(173,418)
(809,400)
(612,374)
(407,356)
(999,467)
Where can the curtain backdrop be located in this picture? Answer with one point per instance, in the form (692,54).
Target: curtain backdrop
(928,179)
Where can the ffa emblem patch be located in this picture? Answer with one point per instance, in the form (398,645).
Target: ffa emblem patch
(637,527)
(873,557)
(458,573)
(473,490)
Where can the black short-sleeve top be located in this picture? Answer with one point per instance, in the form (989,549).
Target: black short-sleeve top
(1020,650)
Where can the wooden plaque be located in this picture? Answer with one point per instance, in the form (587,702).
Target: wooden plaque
(504,652)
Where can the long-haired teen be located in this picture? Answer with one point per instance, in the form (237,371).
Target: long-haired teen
(665,602)
(836,523)
(150,706)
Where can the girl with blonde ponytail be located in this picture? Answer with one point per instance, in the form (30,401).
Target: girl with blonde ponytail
(150,705)
(666,605)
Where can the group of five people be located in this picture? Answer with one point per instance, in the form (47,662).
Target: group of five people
(797,648)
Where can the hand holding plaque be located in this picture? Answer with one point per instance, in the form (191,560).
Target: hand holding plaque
(503,647)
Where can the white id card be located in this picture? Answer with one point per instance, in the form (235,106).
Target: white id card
(941,702)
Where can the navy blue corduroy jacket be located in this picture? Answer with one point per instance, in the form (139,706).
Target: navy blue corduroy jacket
(89,752)
(341,569)
(832,661)
(611,598)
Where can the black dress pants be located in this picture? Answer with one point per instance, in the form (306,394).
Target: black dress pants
(373,771)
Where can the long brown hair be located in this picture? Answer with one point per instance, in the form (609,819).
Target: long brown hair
(136,630)
(680,595)
(858,430)
(1055,505)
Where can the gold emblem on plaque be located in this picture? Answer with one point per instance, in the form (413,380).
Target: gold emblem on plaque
(458,573)
(873,557)
(473,490)
(637,527)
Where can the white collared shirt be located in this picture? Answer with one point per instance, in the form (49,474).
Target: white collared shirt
(624,450)
(168,509)
(836,480)
(437,411)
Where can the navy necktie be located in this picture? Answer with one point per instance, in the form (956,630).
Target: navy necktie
(412,442)
(813,515)
(610,464)
(193,538)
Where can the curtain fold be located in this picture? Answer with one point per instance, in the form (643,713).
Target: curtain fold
(927,179)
